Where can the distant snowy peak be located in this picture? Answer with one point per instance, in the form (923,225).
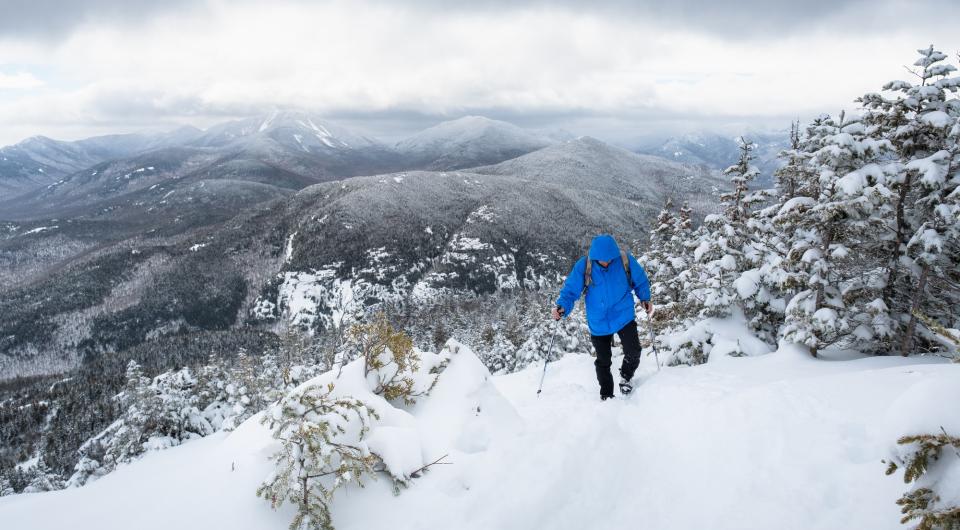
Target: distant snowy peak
(590,164)
(299,130)
(50,159)
(39,142)
(585,154)
(718,151)
(473,141)
(474,129)
(38,159)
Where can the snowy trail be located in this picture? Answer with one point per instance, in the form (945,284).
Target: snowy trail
(747,443)
(776,441)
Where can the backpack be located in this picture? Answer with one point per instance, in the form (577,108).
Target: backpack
(589,267)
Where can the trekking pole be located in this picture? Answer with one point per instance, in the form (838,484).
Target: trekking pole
(547,361)
(653,344)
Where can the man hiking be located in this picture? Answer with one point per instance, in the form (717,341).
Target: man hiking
(608,278)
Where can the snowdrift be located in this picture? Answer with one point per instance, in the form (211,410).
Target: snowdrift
(779,440)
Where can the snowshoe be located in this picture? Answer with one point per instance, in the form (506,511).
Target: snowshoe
(625,387)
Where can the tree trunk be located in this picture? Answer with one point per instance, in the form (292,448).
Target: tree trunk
(916,298)
(893,271)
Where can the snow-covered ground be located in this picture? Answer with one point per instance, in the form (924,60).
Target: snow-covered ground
(775,441)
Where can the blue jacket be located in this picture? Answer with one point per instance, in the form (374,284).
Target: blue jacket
(609,302)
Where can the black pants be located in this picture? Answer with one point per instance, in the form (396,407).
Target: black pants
(630,340)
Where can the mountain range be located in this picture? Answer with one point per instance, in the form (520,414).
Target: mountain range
(718,152)
(290,220)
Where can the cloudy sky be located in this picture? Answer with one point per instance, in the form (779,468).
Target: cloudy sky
(618,70)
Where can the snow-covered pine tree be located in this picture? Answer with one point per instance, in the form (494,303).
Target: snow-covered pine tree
(789,175)
(718,254)
(323,433)
(717,268)
(18,480)
(123,439)
(677,252)
(668,263)
(230,393)
(391,364)
(127,434)
(212,381)
(934,248)
(658,261)
(926,459)
(920,258)
(244,393)
(838,301)
(794,177)
(177,417)
(664,226)
(498,353)
(321,450)
(156,414)
(765,288)
(42,478)
(684,219)
(797,188)
(6,487)
(723,248)
(572,336)
(738,203)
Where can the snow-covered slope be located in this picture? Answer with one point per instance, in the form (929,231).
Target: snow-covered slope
(298,143)
(590,164)
(776,441)
(429,235)
(302,130)
(470,141)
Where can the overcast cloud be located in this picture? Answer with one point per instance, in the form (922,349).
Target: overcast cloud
(618,70)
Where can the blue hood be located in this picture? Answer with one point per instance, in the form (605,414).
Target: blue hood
(604,248)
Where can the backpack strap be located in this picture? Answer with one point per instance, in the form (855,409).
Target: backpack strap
(626,267)
(586,274)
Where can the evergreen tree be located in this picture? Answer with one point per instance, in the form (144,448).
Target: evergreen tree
(671,286)
(391,361)
(794,176)
(684,220)
(920,259)
(567,335)
(321,450)
(738,202)
(660,261)
(718,269)
(156,415)
(244,396)
(837,301)
(42,478)
(723,248)
(323,434)
(6,487)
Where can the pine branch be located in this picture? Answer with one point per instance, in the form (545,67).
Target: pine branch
(335,471)
(435,462)
(955,450)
